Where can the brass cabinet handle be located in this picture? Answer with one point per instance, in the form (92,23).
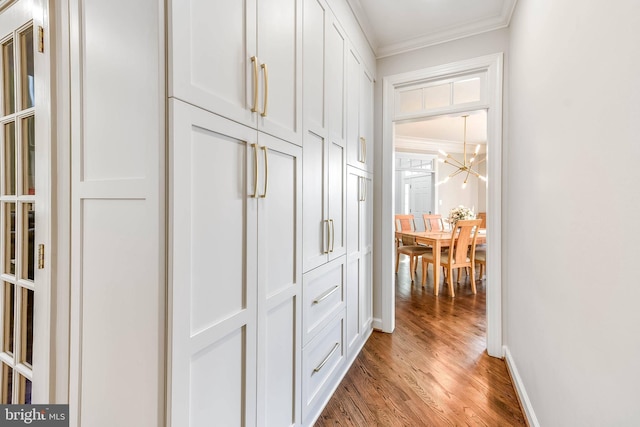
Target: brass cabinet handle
(326,294)
(266,171)
(333,235)
(326,359)
(362,189)
(265,71)
(255,171)
(364,146)
(327,233)
(254,61)
(364,186)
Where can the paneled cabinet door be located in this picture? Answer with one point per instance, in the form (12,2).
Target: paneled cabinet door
(210,49)
(354,205)
(366,254)
(360,87)
(213,243)
(240,59)
(279,56)
(324,179)
(279,282)
(366,118)
(359,250)
(354,144)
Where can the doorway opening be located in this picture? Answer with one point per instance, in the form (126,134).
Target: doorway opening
(433,92)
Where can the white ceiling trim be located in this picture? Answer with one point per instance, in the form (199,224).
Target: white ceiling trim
(365,24)
(442,36)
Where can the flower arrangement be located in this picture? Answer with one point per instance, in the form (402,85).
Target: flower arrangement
(459,213)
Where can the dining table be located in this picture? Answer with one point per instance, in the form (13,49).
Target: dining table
(437,240)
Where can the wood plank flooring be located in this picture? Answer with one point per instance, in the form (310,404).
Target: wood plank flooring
(432,371)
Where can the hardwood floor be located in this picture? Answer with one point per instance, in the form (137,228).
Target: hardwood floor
(432,371)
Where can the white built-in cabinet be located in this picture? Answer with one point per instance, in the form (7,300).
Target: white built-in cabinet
(235,212)
(261,322)
(240,59)
(324,171)
(235,272)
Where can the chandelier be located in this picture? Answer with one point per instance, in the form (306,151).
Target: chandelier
(464,167)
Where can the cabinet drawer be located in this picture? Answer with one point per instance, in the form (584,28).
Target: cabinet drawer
(322,358)
(323,290)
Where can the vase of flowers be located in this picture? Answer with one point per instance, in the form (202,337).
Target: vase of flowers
(459,213)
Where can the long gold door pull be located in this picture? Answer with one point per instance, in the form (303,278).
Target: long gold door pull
(265,73)
(254,62)
(327,234)
(333,235)
(364,150)
(266,171)
(255,171)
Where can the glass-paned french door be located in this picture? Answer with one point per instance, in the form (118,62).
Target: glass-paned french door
(18,288)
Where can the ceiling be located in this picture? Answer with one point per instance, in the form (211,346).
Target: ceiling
(396,26)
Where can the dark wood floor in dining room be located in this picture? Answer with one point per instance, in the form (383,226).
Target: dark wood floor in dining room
(432,371)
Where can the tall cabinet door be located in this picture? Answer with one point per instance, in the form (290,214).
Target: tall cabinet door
(324,136)
(213,269)
(210,46)
(279,51)
(337,158)
(360,93)
(359,258)
(279,282)
(366,253)
(366,118)
(354,202)
(354,144)
(336,198)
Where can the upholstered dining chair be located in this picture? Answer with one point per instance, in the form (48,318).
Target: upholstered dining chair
(433,222)
(460,254)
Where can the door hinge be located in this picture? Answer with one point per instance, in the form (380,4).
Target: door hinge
(40,39)
(40,257)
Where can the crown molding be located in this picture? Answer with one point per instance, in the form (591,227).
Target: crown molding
(448,34)
(364,23)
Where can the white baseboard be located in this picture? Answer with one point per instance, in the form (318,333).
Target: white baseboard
(520,389)
(377,323)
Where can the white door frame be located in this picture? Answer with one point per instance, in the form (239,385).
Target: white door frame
(492,64)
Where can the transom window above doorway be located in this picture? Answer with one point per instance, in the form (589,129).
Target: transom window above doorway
(464,90)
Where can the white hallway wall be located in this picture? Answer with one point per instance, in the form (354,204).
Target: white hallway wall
(572,302)
(471,47)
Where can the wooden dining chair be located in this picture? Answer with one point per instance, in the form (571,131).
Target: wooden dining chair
(413,252)
(483,217)
(405,223)
(481,260)
(433,222)
(460,254)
